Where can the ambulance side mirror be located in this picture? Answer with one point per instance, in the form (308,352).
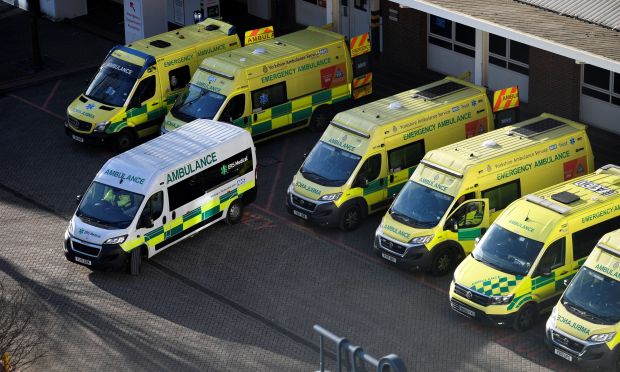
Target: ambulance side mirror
(145,222)
(361,181)
(134,102)
(544,270)
(451,225)
(78,199)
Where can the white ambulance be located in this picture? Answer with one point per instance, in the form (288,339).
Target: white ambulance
(159,193)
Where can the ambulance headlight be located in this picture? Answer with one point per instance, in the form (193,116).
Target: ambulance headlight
(331,197)
(379,230)
(602,337)
(552,318)
(117,240)
(291,187)
(100,127)
(419,240)
(501,300)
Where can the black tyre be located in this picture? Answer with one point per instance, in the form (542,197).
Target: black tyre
(125,140)
(526,317)
(320,119)
(443,261)
(235,212)
(350,218)
(135,261)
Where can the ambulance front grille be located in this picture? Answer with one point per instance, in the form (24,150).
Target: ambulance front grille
(85,249)
(567,342)
(79,124)
(471,295)
(302,203)
(392,246)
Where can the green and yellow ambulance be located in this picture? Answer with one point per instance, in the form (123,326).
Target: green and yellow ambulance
(367,153)
(522,264)
(458,190)
(270,87)
(137,83)
(584,326)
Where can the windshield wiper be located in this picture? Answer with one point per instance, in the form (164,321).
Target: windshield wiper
(190,102)
(582,311)
(400,216)
(316,175)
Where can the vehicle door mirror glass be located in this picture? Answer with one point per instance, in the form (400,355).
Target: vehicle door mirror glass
(145,222)
(361,181)
(78,199)
(544,270)
(451,225)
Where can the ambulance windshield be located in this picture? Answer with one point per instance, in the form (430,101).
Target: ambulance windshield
(593,296)
(420,206)
(328,165)
(113,83)
(197,103)
(506,251)
(108,207)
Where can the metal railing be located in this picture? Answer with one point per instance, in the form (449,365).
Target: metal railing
(353,357)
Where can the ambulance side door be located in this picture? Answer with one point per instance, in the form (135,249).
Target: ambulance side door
(144,110)
(234,111)
(552,268)
(371,179)
(152,219)
(270,109)
(402,161)
(468,221)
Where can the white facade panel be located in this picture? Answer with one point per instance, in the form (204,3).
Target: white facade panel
(448,62)
(309,14)
(600,114)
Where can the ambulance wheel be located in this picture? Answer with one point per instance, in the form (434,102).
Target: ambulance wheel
(350,218)
(526,317)
(443,261)
(235,212)
(135,261)
(125,140)
(320,119)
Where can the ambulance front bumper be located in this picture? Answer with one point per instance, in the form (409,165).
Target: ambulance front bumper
(475,305)
(100,257)
(322,213)
(404,255)
(585,354)
(90,138)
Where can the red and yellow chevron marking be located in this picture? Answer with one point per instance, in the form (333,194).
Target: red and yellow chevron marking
(506,98)
(258,34)
(362,80)
(359,45)
(362,91)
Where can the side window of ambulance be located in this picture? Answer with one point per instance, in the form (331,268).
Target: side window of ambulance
(265,98)
(144,91)
(585,240)
(154,206)
(502,195)
(204,181)
(553,257)
(179,77)
(234,109)
(370,169)
(405,156)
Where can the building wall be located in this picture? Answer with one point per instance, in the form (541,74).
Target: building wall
(404,38)
(554,84)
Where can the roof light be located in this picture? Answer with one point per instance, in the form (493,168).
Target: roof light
(242,59)
(395,106)
(490,144)
(258,51)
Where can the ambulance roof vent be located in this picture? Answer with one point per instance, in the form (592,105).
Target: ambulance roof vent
(212,27)
(537,128)
(547,204)
(259,51)
(440,90)
(160,43)
(490,144)
(565,197)
(242,59)
(395,106)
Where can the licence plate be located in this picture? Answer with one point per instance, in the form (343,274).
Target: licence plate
(465,310)
(388,257)
(564,355)
(79,139)
(299,214)
(83,261)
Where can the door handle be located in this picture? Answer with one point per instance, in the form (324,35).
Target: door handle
(255,117)
(154,103)
(174,215)
(381,182)
(563,273)
(391,178)
(163,221)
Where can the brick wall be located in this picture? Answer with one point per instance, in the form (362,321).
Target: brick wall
(404,38)
(554,84)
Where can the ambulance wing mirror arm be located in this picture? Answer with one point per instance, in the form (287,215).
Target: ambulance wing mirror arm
(78,199)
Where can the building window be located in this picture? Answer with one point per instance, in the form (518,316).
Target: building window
(321,3)
(452,35)
(601,84)
(509,54)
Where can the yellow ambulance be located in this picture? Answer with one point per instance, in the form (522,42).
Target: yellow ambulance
(584,327)
(367,153)
(458,190)
(521,265)
(270,87)
(137,83)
